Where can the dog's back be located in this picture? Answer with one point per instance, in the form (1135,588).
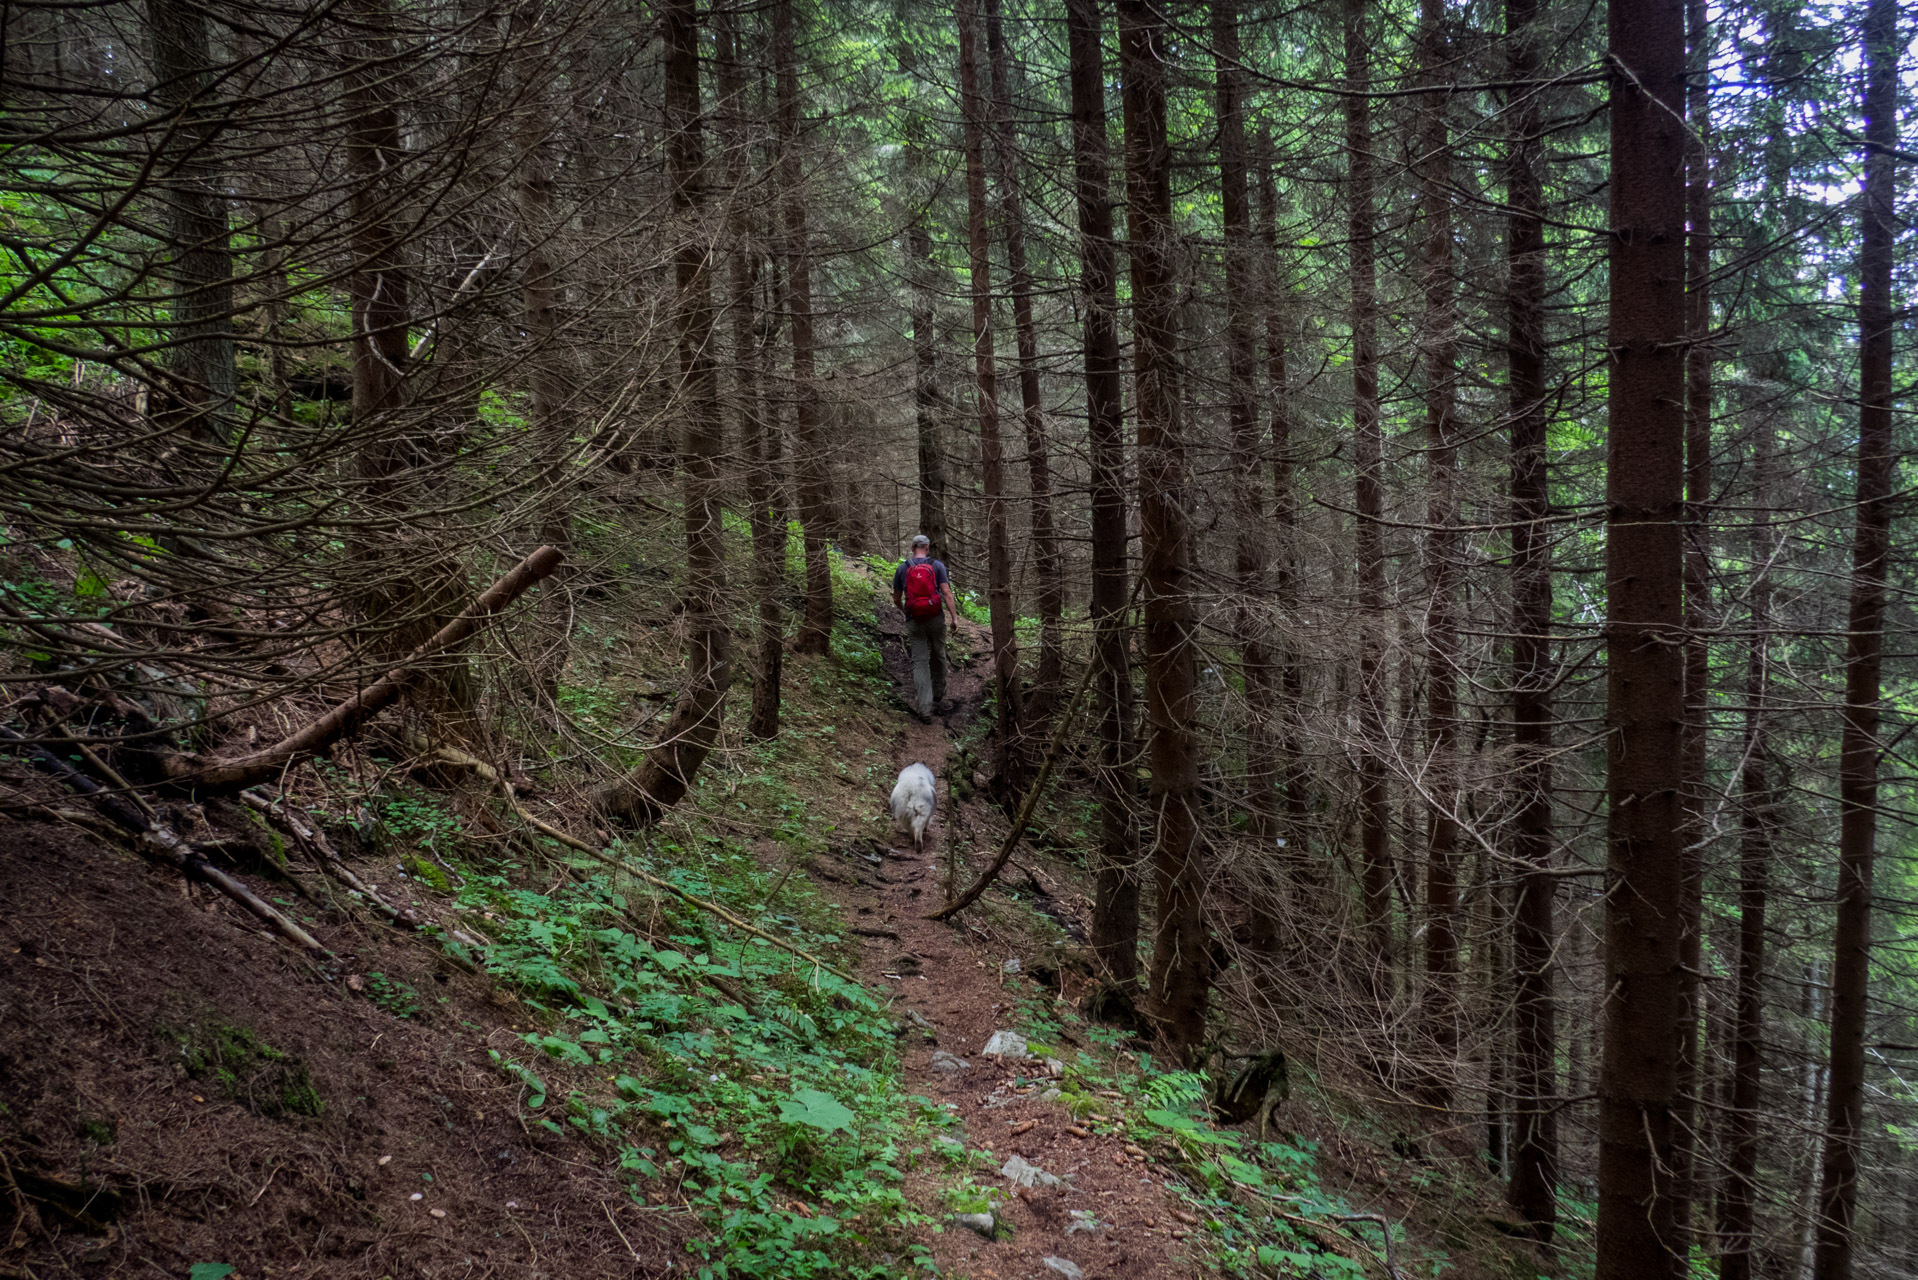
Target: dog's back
(913,799)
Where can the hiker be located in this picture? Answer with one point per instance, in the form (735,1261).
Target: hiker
(923,592)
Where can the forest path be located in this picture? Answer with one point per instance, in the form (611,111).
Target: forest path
(946,976)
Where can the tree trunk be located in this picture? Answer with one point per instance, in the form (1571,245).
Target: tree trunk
(757,429)
(1005,644)
(925,387)
(1645,673)
(924,283)
(1369,501)
(1694,790)
(1285,576)
(815,628)
(668,772)
(378,287)
(1046,563)
(1181,962)
(1115,910)
(1533,1190)
(1251,559)
(1439,345)
(1755,820)
(925,360)
(404,586)
(200,361)
(1864,651)
(551,380)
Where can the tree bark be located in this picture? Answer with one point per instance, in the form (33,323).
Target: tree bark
(1181,962)
(551,379)
(1644,664)
(1439,351)
(1289,760)
(1046,562)
(925,358)
(923,275)
(1755,818)
(1533,1190)
(815,628)
(925,388)
(1864,653)
(1369,501)
(1115,911)
(757,429)
(404,585)
(1694,789)
(201,357)
(1005,643)
(1251,557)
(378,287)
(668,771)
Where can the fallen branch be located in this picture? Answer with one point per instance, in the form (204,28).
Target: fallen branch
(328,857)
(1031,801)
(1391,1264)
(461,759)
(220,776)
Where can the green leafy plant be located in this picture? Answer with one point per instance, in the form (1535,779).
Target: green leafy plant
(815,1110)
(396,997)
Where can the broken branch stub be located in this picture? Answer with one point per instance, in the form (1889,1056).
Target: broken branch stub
(222,776)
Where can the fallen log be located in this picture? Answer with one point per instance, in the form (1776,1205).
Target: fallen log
(202,775)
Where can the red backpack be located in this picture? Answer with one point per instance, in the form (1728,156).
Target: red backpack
(922,590)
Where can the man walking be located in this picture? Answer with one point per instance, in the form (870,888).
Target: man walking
(922,591)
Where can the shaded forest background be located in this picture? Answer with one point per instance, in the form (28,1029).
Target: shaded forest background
(1456,450)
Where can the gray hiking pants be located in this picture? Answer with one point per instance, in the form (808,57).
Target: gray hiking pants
(928,637)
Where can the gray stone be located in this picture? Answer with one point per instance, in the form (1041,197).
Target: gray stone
(984,1223)
(946,1064)
(1024,1174)
(1011,966)
(1082,1220)
(1006,1044)
(1070,1270)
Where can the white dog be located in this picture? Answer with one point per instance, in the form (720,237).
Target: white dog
(913,799)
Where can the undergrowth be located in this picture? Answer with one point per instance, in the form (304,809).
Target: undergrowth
(719,1073)
(1259,1207)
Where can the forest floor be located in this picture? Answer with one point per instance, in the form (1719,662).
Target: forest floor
(1108,1217)
(563,1071)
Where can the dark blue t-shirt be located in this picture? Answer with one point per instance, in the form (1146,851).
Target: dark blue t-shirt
(899,575)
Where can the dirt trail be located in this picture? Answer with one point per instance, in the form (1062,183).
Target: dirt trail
(945,975)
